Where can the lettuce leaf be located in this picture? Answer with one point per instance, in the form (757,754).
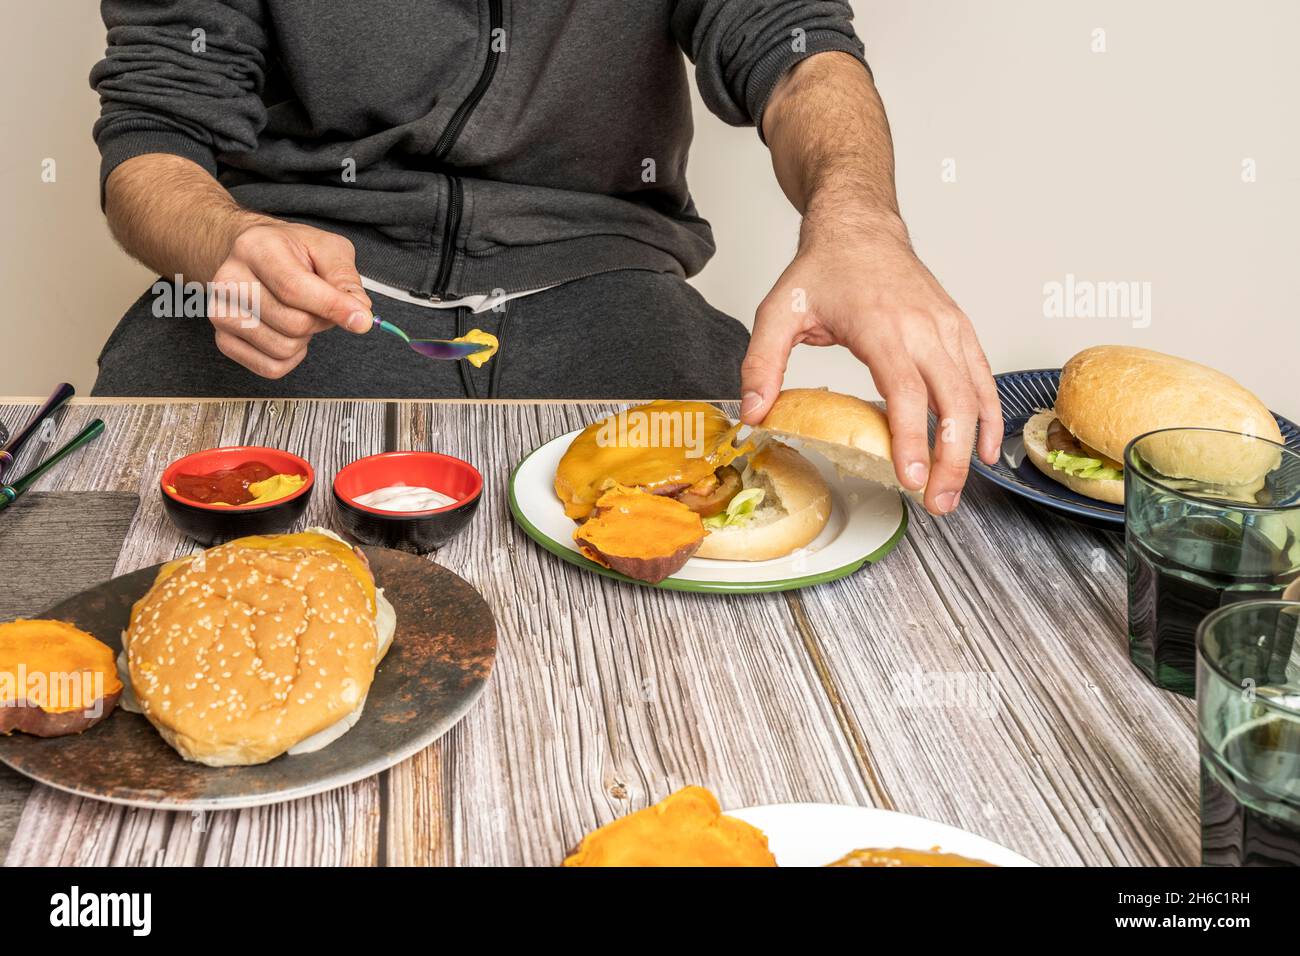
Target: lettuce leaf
(1082,467)
(740,510)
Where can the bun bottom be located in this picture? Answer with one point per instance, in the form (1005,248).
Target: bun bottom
(1110,490)
(796,508)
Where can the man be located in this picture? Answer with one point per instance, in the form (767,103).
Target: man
(517,168)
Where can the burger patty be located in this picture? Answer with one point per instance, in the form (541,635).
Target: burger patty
(1060,438)
(708,496)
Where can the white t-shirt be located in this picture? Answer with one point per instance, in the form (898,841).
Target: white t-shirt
(475,303)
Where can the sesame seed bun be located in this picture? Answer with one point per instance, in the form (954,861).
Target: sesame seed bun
(256,647)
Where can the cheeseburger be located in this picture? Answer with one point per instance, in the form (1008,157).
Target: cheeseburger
(717,497)
(1110,394)
(258,647)
(729,500)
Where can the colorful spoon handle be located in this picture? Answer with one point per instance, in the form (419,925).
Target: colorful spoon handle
(10,451)
(12,492)
(391,329)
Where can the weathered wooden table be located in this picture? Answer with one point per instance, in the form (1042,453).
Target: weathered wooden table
(977,676)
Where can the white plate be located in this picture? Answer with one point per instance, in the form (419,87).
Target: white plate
(815,834)
(866,521)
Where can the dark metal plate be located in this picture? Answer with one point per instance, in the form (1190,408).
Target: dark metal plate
(437,666)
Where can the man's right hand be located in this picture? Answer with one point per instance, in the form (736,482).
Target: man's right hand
(306,281)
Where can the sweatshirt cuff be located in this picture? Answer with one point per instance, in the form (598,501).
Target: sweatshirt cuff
(777,62)
(127,143)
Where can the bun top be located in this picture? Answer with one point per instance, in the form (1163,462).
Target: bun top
(240,652)
(1110,394)
(821,415)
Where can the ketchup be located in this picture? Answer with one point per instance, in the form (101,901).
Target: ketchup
(229,485)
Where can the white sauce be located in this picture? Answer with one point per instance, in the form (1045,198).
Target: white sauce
(404,498)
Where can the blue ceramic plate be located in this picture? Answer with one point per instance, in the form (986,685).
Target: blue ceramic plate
(1025,393)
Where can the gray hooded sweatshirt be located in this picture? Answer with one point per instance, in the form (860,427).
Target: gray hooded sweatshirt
(462,145)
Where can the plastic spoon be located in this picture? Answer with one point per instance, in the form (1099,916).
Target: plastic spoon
(434,348)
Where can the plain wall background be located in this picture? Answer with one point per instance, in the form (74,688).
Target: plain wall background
(1118,166)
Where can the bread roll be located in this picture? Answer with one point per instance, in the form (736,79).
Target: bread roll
(1110,394)
(850,432)
(247,650)
(1035,438)
(796,506)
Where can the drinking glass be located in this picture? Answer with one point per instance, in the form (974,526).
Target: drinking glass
(1196,544)
(1248,705)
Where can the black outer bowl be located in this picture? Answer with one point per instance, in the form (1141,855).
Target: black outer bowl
(208,526)
(417,534)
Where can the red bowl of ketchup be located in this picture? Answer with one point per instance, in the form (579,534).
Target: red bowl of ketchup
(206,494)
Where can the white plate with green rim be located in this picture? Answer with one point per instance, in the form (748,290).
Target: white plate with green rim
(867,521)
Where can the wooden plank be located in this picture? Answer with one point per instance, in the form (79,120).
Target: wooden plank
(14,789)
(139,441)
(55,543)
(1130,747)
(1044,737)
(606,697)
(105,400)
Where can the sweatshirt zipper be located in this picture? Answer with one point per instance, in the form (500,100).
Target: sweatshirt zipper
(458,119)
(455,191)
(450,226)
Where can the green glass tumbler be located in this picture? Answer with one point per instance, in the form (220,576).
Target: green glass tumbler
(1195,544)
(1248,707)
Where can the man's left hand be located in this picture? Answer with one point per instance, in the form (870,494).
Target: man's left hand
(871,294)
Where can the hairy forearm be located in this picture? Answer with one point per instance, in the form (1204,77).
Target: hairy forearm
(856,281)
(169,213)
(831,149)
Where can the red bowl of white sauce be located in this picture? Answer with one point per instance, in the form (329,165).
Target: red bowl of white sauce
(409,500)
